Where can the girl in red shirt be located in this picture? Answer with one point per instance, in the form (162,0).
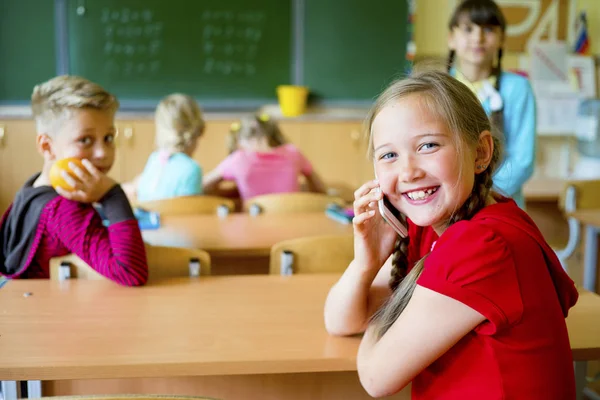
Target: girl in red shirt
(480,312)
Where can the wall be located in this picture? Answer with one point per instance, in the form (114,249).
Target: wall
(432,20)
(556,155)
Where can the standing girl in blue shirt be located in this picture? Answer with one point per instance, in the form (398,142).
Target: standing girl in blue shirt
(477,31)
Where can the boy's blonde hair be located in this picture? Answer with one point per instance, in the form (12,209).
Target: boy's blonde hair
(255,126)
(53,100)
(454,104)
(178,122)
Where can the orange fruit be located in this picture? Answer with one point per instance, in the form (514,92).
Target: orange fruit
(56,180)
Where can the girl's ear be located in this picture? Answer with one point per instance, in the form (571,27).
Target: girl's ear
(45,146)
(485,151)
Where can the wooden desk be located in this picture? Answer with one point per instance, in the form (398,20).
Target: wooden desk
(230,337)
(241,237)
(587,217)
(543,189)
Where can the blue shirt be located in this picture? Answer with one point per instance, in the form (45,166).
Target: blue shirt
(179,176)
(519,130)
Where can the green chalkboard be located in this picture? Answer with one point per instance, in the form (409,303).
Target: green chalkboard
(354,48)
(213,49)
(230,53)
(27,50)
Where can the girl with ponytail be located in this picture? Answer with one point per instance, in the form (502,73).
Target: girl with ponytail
(476,34)
(481,314)
(171,170)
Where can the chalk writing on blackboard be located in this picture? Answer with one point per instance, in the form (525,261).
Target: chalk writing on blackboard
(228,42)
(133,40)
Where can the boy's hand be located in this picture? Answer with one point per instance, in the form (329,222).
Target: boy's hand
(90,186)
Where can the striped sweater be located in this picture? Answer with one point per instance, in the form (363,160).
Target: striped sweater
(64,226)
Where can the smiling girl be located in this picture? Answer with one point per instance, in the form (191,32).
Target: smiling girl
(482,314)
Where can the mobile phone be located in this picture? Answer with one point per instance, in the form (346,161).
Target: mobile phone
(392,216)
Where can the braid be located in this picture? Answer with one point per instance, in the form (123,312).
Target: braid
(399,262)
(476,201)
(497,116)
(499,69)
(451,55)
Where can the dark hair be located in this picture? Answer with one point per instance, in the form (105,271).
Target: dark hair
(482,13)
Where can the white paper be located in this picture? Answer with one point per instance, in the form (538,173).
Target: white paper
(549,61)
(557,107)
(585,70)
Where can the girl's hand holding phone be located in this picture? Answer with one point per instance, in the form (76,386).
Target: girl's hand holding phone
(373,238)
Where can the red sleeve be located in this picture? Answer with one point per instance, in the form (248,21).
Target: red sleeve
(116,252)
(473,265)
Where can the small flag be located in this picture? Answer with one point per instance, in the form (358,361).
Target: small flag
(582,39)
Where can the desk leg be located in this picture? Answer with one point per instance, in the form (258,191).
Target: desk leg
(590,258)
(580,378)
(34,389)
(10,390)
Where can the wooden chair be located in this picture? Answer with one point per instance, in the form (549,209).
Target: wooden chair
(341,190)
(169,262)
(163,262)
(577,195)
(315,254)
(188,205)
(127,397)
(291,202)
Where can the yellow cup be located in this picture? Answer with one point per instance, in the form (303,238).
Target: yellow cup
(292,99)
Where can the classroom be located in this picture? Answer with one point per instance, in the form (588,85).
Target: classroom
(251,199)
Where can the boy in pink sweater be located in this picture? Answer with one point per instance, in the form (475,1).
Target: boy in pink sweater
(74,118)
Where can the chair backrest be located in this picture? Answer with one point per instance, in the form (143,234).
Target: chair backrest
(169,262)
(315,254)
(341,190)
(203,204)
(163,262)
(292,202)
(79,268)
(580,195)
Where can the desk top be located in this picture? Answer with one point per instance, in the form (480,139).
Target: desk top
(543,189)
(211,326)
(240,233)
(588,217)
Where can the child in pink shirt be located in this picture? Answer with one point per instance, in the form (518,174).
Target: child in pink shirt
(261,162)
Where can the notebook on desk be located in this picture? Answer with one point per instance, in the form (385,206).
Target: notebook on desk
(340,214)
(147,220)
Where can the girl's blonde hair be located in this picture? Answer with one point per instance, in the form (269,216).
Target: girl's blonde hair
(255,126)
(179,122)
(455,104)
(53,100)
